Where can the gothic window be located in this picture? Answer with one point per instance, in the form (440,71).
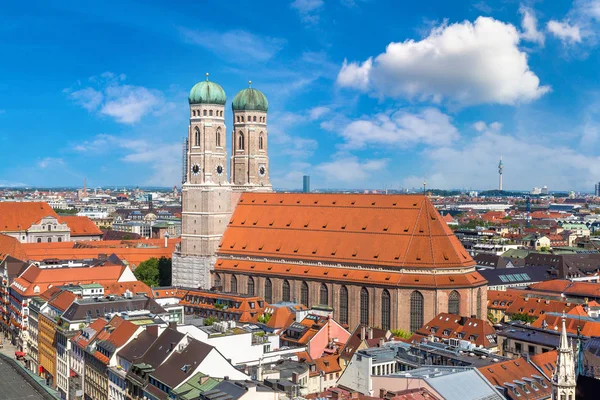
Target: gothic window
(385,309)
(250,291)
(194,113)
(241,141)
(454,303)
(416,311)
(197,137)
(260,141)
(343,305)
(479,303)
(217,281)
(268,291)
(304,294)
(233,285)
(218,137)
(324,295)
(285,292)
(364,306)
(238,118)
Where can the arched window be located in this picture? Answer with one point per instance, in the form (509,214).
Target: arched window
(238,118)
(210,113)
(385,309)
(217,281)
(254,119)
(49,228)
(479,303)
(241,141)
(204,113)
(49,240)
(39,240)
(343,305)
(364,306)
(250,291)
(260,141)
(268,291)
(194,113)
(454,303)
(60,240)
(233,288)
(285,291)
(304,294)
(218,137)
(197,137)
(416,311)
(324,295)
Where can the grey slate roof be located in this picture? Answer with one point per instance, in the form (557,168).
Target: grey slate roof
(508,276)
(82,308)
(172,371)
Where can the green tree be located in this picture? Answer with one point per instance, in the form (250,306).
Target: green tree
(401,333)
(209,321)
(164,271)
(523,317)
(147,272)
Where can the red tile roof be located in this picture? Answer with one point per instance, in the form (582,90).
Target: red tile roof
(387,230)
(511,376)
(63,300)
(44,278)
(9,246)
(451,326)
(80,226)
(590,328)
(19,216)
(97,326)
(538,307)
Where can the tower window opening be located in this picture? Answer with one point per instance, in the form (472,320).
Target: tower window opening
(210,113)
(241,141)
(197,137)
(254,119)
(260,142)
(204,113)
(218,138)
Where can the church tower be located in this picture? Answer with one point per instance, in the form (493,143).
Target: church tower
(564,379)
(249,157)
(206,194)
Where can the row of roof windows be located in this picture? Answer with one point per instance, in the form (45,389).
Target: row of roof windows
(210,113)
(333,203)
(515,278)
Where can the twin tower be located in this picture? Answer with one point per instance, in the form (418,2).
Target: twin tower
(208,196)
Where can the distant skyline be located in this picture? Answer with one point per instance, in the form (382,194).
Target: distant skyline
(362,93)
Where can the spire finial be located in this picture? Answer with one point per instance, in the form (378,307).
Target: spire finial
(207,76)
(249,83)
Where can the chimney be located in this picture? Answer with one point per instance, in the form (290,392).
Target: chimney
(363,332)
(173,324)
(152,330)
(370,333)
(462,321)
(381,342)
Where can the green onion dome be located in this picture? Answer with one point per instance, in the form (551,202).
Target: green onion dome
(207,92)
(250,100)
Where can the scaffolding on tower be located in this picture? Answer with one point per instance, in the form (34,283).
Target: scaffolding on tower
(184,166)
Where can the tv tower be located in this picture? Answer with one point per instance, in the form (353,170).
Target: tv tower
(500,169)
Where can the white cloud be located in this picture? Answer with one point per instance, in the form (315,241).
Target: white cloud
(567,33)
(236,45)
(349,169)
(126,104)
(402,128)
(481,126)
(308,9)
(355,75)
(50,162)
(318,112)
(529,25)
(527,163)
(467,63)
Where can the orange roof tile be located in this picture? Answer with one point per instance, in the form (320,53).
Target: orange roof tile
(19,216)
(509,374)
(387,278)
(451,326)
(9,246)
(119,288)
(63,300)
(328,364)
(385,230)
(538,307)
(97,326)
(45,278)
(80,226)
(590,328)
(546,362)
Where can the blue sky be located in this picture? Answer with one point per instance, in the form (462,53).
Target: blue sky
(362,93)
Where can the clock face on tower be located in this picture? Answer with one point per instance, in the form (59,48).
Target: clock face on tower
(262,170)
(196,169)
(219,169)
